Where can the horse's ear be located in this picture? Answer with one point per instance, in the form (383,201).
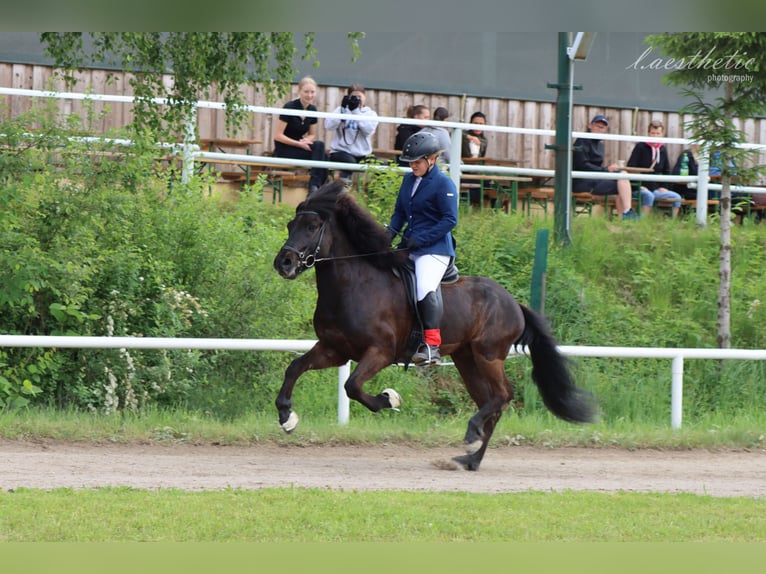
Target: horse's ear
(335,187)
(344,201)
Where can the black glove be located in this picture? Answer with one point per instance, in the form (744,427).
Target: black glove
(391,234)
(411,243)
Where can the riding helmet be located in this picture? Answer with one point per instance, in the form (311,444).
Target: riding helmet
(418,145)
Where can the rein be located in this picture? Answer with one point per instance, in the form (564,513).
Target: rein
(308,260)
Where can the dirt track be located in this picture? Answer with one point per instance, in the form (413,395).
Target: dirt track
(506,469)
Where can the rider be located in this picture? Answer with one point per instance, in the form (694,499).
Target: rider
(427,203)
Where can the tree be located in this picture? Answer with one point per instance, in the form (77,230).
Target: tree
(707,64)
(198,61)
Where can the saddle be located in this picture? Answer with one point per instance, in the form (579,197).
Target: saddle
(406,272)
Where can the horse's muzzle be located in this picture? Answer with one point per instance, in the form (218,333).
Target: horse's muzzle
(287,264)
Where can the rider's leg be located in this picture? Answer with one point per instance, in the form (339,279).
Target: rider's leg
(431,310)
(429,270)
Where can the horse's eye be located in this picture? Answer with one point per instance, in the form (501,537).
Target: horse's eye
(312,227)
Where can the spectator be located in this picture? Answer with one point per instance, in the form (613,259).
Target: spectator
(474,144)
(352,141)
(474,141)
(295,136)
(588,155)
(404,131)
(654,155)
(442,135)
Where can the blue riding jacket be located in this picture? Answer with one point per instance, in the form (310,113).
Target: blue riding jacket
(429,215)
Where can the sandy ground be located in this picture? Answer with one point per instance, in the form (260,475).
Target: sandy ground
(506,469)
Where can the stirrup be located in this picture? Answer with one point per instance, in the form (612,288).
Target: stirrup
(426,355)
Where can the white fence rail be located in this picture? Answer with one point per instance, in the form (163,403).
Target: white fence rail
(700,182)
(677,356)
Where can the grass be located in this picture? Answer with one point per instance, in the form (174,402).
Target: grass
(316,515)
(714,431)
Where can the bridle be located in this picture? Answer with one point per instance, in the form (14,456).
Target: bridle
(306,258)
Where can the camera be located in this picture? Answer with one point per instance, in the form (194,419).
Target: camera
(351,102)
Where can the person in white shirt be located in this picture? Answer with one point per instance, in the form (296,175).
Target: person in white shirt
(352,140)
(442,135)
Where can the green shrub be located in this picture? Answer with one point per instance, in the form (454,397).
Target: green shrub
(95,240)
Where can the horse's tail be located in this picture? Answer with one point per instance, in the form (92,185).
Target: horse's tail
(551,374)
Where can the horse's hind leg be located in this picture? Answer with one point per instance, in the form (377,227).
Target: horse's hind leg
(318,357)
(475,450)
(490,390)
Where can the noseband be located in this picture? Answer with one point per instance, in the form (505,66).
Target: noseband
(306,259)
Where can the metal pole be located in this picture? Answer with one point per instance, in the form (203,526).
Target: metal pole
(562,146)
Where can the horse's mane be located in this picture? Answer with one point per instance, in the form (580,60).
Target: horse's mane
(364,233)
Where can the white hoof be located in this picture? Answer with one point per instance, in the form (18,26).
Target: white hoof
(394,399)
(474,446)
(292,421)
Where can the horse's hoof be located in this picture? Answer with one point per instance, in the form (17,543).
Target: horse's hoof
(474,446)
(394,398)
(292,421)
(467,462)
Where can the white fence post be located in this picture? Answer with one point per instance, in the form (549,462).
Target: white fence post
(190,136)
(677,392)
(703,174)
(455,151)
(343,403)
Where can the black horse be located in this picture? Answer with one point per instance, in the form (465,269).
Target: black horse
(364,315)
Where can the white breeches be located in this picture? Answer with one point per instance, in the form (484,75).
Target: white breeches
(429,270)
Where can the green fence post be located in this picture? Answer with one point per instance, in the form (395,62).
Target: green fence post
(537,291)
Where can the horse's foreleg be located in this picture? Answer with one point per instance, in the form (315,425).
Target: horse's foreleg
(318,357)
(373,361)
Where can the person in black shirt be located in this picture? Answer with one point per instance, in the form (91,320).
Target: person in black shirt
(295,136)
(404,131)
(588,155)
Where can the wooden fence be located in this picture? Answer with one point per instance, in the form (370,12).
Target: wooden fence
(503,112)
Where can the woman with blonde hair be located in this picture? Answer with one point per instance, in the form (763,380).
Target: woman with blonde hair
(295,136)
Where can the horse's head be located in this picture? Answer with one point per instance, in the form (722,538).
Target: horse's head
(308,235)
(331,225)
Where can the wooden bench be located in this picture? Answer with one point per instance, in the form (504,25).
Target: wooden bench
(275,176)
(583,203)
(493,187)
(277,179)
(539,196)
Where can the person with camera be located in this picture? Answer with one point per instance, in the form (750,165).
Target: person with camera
(425,215)
(295,136)
(352,141)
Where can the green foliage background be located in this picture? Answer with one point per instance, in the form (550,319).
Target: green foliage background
(96,240)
